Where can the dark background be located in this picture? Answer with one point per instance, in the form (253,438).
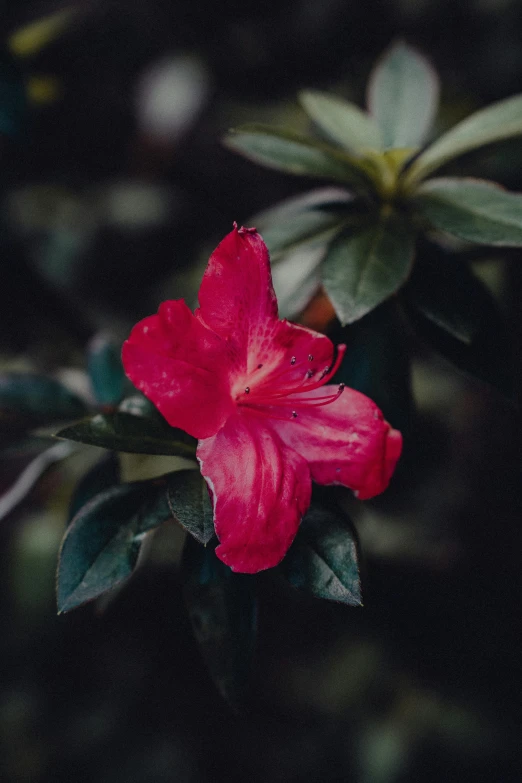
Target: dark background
(115,187)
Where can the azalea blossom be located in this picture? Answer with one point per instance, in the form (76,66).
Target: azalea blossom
(254,390)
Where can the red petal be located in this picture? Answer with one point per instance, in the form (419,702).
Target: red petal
(260,489)
(281,356)
(236,296)
(344,442)
(182,367)
(237,301)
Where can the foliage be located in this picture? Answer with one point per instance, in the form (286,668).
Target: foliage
(360,242)
(377,232)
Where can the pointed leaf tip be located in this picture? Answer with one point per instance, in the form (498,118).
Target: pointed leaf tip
(282,149)
(190,504)
(131,433)
(323,559)
(102,542)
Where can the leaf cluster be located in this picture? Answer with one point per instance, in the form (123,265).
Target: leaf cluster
(110,521)
(359,240)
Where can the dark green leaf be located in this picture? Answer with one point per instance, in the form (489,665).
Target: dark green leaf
(222,609)
(108,380)
(496,122)
(377,362)
(135,434)
(457,315)
(403,94)
(104,474)
(138,405)
(38,398)
(103,540)
(472,209)
(365,267)
(287,151)
(190,504)
(443,290)
(323,558)
(342,121)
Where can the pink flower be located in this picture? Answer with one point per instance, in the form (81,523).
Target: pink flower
(253,390)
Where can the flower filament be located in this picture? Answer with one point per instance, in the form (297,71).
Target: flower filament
(277,389)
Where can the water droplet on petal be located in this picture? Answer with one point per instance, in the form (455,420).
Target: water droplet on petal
(293,360)
(294,415)
(247,389)
(310,357)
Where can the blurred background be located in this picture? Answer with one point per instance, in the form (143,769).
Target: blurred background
(115,187)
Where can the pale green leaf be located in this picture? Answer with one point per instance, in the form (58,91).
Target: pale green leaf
(343,122)
(473,209)
(287,151)
(403,94)
(499,121)
(297,278)
(317,215)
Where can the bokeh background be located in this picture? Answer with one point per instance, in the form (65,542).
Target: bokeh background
(115,187)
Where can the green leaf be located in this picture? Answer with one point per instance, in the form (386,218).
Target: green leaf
(104,474)
(403,94)
(190,504)
(297,277)
(445,291)
(456,314)
(301,227)
(494,123)
(135,434)
(364,268)
(323,558)
(138,405)
(105,368)
(472,209)
(343,122)
(102,543)
(317,215)
(285,150)
(38,398)
(223,611)
(378,362)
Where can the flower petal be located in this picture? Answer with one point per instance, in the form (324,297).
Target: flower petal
(237,301)
(345,442)
(260,489)
(182,367)
(236,296)
(282,356)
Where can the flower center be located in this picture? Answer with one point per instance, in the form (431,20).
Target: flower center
(288,387)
